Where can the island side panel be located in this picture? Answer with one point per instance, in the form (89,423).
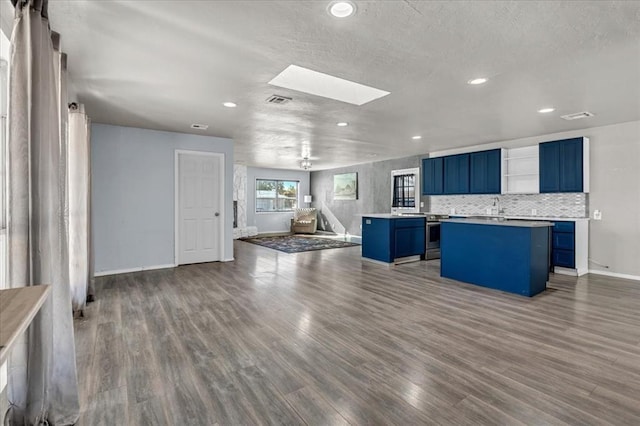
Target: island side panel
(377,239)
(540,256)
(492,256)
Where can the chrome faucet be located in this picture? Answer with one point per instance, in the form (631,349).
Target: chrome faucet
(496,204)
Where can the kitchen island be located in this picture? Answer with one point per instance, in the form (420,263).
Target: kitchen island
(392,239)
(507,255)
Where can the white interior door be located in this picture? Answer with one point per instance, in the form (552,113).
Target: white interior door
(199,209)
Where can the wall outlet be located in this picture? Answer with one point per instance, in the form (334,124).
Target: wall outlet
(488,210)
(534,212)
(421,203)
(597,215)
(453,211)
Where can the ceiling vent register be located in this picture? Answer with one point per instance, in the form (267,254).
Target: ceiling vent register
(277,99)
(577,115)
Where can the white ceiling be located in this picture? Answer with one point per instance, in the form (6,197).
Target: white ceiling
(167,64)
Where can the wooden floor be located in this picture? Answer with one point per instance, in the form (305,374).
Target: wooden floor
(324,338)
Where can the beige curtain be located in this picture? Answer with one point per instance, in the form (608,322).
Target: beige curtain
(42,372)
(80,262)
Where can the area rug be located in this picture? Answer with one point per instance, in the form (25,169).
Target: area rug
(296,244)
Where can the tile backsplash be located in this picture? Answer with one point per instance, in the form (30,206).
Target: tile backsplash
(549,205)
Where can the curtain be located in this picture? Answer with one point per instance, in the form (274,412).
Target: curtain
(42,372)
(80,259)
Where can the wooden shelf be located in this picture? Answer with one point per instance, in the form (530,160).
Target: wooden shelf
(18,306)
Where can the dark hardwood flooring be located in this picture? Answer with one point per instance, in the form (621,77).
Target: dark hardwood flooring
(323,338)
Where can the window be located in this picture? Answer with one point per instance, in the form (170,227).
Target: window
(276,195)
(404,190)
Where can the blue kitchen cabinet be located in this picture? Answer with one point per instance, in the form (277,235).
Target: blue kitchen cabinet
(389,238)
(410,237)
(561,166)
(456,174)
(563,237)
(485,172)
(432,176)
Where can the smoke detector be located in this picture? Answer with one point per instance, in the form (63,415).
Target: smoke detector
(278,99)
(577,115)
(199,126)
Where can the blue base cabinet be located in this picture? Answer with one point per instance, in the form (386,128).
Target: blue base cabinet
(563,246)
(388,239)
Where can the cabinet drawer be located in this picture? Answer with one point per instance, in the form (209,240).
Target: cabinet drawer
(563,240)
(410,223)
(564,258)
(564,227)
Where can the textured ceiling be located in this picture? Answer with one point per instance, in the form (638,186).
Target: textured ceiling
(167,64)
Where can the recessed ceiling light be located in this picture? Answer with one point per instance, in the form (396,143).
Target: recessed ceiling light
(476,81)
(341,9)
(230,104)
(342,124)
(546,110)
(320,84)
(415,138)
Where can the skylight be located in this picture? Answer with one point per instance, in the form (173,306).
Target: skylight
(325,85)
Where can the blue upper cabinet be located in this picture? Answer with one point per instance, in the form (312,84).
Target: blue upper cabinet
(562,166)
(456,174)
(432,176)
(485,172)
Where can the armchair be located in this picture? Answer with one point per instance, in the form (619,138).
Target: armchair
(304,221)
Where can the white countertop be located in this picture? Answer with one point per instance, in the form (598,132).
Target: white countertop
(531,218)
(392,216)
(517,223)
(566,219)
(534,218)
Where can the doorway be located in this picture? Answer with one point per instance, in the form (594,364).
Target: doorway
(199,207)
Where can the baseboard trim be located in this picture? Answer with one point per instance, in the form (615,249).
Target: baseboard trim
(615,274)
(565,271)
(231,259)
(129,270)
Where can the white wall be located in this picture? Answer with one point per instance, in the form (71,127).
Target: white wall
(133,194)
(273,222)
(614,241)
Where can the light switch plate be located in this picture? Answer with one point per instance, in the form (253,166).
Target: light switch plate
(534,212)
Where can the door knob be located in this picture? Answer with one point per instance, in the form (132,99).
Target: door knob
(217,214)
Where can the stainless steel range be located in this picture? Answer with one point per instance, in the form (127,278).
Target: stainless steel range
(433,235)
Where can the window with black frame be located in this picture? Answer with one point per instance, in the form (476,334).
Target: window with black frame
(404,190)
